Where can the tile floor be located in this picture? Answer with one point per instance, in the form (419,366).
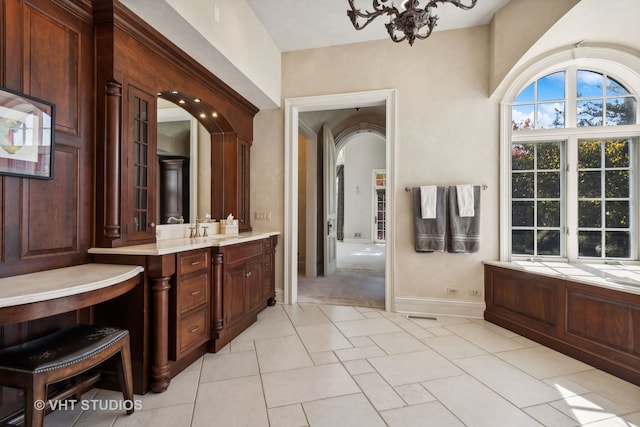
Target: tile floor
(324,365)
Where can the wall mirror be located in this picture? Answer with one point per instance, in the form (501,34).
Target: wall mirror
(184,166)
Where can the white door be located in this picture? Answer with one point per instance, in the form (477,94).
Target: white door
(330,205)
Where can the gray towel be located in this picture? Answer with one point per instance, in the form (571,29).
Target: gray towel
(464,232)
(429,233)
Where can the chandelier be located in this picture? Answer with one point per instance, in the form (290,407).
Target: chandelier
(408,22)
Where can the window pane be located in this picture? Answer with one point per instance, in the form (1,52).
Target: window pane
(614,88)
(589,213)
(551,87)
(522,117)
(549,156)
(589,84)
(526,95)
(589,113)
(549,184)
(617,183)
(589,184)
(617,244)
(617,153)
(522,156)
(522,242)
(549,242)
(550,115)
(548,214)
(589,243)
(589,154)
(617,214)
(621,111)
(522,214)
(522,185)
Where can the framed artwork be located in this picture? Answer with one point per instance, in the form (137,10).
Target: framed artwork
(27,128)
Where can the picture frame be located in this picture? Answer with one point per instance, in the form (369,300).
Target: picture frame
(27,134)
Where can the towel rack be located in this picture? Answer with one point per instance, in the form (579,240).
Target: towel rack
(484,187)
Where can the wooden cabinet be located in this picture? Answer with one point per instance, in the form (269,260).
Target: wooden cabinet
(230,160)
(189,303)
(139,170)
(246,284)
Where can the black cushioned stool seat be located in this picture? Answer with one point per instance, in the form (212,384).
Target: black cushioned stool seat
(61,355)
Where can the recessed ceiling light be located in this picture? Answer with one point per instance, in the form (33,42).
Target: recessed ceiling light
(181,101)
(196,100)
(214,114)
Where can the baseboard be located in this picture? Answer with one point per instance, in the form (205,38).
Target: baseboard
(440,307)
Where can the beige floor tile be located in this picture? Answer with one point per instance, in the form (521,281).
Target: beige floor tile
(414,394)
(232,402)
(616,389)
(305,318)
(344,411)
(267,329)
(549,416)
(339,313)
(588,408)
(416,330)
(324,358)
(453,347)
(360,366)
(228,365)
(413,367)
(355,328)
(323,337)
(398,342)
(484,337)
(273,313)
(475,404)
(519,388)
(287,416)
(169,416)
(281,353)
(379,393)
(183,389)
(432,414)
(359,353)
(361,341)
(543,362)
(306,384)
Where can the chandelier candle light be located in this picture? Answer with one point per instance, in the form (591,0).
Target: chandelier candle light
(408,22)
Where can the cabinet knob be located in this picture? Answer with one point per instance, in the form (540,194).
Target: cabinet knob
(152,224)
(248,274)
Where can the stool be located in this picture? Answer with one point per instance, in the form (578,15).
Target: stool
(64,354)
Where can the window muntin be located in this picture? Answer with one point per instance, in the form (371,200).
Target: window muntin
(536,219)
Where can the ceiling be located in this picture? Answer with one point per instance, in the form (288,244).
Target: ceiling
(306,24)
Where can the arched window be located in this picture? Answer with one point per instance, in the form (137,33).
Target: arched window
(573,167)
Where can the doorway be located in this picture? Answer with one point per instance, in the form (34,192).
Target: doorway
(293,106)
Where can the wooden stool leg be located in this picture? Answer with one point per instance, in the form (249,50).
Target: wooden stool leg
(35,397)
(125,375)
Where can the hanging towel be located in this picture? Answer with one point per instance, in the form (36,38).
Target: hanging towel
(429,233)
(465,200)
(464,232)
(428,199)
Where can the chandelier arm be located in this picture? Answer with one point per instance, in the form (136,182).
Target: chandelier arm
(379,10)
(456,3)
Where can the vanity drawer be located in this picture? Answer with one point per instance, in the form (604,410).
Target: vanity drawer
(193,261)
(192,292)
(243,251)
(194,329)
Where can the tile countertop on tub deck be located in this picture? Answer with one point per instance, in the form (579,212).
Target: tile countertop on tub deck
(622,277)
(169,246)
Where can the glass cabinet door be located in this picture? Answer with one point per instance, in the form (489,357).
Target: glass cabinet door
(379,205)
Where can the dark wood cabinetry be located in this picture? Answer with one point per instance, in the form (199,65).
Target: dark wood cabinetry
(189,303)
(247,287)
(595,324)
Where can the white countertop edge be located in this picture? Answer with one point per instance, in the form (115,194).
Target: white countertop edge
(592,279)
(169,246)
(62,282)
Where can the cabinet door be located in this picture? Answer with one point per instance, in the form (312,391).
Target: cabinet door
(244,216)
(253,276)
(139,167)
(234,295)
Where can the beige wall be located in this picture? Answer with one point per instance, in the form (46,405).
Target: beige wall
(447,134)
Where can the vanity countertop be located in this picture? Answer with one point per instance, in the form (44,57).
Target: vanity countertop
(169,246)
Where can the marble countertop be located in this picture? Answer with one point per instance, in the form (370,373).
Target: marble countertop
(169,246)
(62,282)
(622,277)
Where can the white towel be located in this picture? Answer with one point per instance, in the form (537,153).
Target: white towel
(465,200)
(428,200)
